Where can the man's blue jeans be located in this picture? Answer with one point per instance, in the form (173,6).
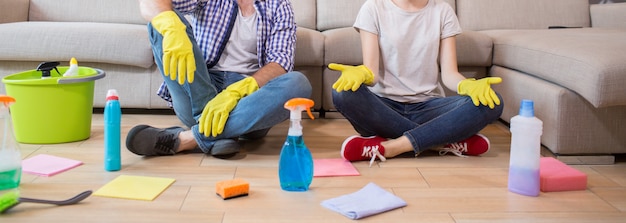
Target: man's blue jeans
(257,112)
(428,124)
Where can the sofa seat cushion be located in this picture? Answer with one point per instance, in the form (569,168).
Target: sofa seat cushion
(342,45)
(473,49)
(109,11)
(125,44)
(309,47)
(588,61)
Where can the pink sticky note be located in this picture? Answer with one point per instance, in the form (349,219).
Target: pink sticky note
(48,165)
(333,167)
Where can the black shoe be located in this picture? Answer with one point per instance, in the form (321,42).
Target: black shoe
(146,140)
(224,147)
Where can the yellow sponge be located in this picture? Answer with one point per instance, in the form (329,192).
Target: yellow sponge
(228,189)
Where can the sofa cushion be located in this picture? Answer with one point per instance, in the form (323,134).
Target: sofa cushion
(109,11)
(304,13)
(588,61)
(342,45)
(332,14)
(309,47)
(13,11)
(608,15)
(525,14)
(473,49)
(89,42)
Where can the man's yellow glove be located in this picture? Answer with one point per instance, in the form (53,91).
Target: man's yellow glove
(351,77)
(215,113)
(178,55)
(480,90)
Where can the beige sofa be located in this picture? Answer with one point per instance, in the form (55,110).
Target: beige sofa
(575,76)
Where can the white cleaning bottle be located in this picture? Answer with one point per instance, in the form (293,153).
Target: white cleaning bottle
(526,130)
(73,70)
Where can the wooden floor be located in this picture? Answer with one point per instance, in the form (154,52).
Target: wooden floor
(436,188)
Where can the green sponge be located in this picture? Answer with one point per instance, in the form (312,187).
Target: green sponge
(8,200)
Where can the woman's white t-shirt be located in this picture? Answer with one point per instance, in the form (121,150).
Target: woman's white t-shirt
(409,46)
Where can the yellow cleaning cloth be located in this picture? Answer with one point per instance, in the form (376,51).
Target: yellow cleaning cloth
(135,187)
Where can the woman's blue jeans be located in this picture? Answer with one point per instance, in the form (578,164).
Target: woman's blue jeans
(257,112)
(427,124)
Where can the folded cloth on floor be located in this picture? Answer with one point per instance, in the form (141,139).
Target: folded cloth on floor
(370,200)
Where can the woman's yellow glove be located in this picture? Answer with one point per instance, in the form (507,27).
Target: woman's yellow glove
(215,113)
(351,77)
(480,90)
(178,55)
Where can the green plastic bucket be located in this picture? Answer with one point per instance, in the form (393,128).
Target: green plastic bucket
(52,110)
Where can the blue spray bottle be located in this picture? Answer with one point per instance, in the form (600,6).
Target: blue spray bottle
(112,137)
(295,165)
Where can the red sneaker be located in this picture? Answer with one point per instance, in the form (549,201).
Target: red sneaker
(473,146)
(358,148)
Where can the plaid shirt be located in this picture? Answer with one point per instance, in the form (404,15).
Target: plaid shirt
(213,21)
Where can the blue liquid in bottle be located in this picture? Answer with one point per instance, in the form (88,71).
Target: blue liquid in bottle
(295,166)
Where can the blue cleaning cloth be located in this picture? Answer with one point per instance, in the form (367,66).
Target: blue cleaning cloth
(370,200)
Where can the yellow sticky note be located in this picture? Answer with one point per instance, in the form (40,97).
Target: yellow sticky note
(135,187)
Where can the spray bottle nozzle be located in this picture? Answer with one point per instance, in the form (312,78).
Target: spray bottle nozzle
(297,105)
(46,67)
(6,100)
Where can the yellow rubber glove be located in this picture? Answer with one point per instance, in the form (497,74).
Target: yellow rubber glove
(178,55)
(351,77)
(480,90)
(215,113)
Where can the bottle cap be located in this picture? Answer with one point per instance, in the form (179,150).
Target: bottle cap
(112,95)
(527,108)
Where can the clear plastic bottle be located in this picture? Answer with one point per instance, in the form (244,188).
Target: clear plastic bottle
(526,130)
(295,164)
(112,128)
(10,156)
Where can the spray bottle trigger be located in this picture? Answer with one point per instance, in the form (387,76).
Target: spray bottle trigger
(294,103)
(46,67)
(308,111)
(7,100)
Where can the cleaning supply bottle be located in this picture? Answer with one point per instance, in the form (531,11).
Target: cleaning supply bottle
(73,70)
(526,130)
(112,137)
(295,164)
(10,157)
